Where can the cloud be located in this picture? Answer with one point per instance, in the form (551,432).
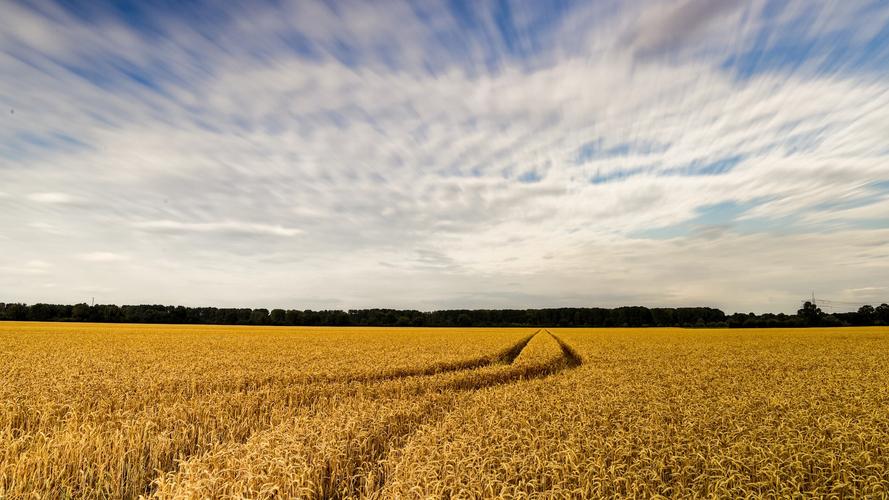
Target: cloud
(666,28)
(274,154)
(229,227)
(103,257)
(37,264)
(52,198)
(30,267)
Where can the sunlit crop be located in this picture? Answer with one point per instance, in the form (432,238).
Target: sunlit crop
(96,411)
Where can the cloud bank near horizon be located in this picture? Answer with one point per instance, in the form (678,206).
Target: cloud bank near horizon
(434,155)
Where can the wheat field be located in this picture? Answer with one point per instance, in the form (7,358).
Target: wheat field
(128,411)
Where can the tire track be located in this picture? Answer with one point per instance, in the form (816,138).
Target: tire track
(371,482)
(506,356)
(356,466)
(574,360)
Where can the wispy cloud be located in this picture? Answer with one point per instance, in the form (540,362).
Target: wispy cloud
(52,198)
(104,257)
(30,267)
(665,28)
(168,226)
(274,154)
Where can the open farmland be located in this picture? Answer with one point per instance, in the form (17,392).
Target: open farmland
(91,411)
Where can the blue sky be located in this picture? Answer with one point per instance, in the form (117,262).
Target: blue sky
(445,154)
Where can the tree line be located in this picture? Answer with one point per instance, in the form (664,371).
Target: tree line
(629,316)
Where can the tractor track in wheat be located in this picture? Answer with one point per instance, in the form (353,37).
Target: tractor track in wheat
(362,472)
(569,360)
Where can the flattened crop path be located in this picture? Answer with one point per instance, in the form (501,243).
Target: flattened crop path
(360,429)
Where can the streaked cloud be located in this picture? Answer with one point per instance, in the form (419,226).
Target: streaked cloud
(103,257)
(352,155)
(232,227)
(30,267)
(52,198)
(668,26)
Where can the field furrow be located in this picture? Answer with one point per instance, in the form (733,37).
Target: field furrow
(114,409)
(342,450)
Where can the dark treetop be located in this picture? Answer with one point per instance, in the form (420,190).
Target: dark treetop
(631,316)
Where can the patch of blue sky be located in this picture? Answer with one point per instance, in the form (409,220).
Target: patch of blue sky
(721,213)
(506,28)
(804,142)
(301,44)
(787,224)
(336,117)
(145,77)
(345,53)
(724,215)
(858,202)
(489,34)
(789,48)
(143,17)
(872,192)
(528,38)
(868,224)
(662,233)
(206,125)
(596,150)
(766,55)
(698,167)
(788,142)
(620,174)
(51,140)
(110,72)
(24,145)
(530,177)
(93,75)
(458,169)
(481,39)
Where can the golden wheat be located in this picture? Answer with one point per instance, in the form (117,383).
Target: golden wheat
(104,410)
(671,413)
(98,411)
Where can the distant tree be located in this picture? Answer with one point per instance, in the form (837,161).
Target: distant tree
(42,312)
(80,312)
(259,316)
(810,313)
(293,317)
(16,312)
(881,314)
(108,313)
(464,320)
(633,316)
(865,315)
(277,316)
(832,320)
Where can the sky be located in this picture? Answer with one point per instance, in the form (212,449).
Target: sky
(432,155)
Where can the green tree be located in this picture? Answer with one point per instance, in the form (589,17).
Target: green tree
(277,316)
(866,315)
(810,313)
(80,312)
(881,314)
